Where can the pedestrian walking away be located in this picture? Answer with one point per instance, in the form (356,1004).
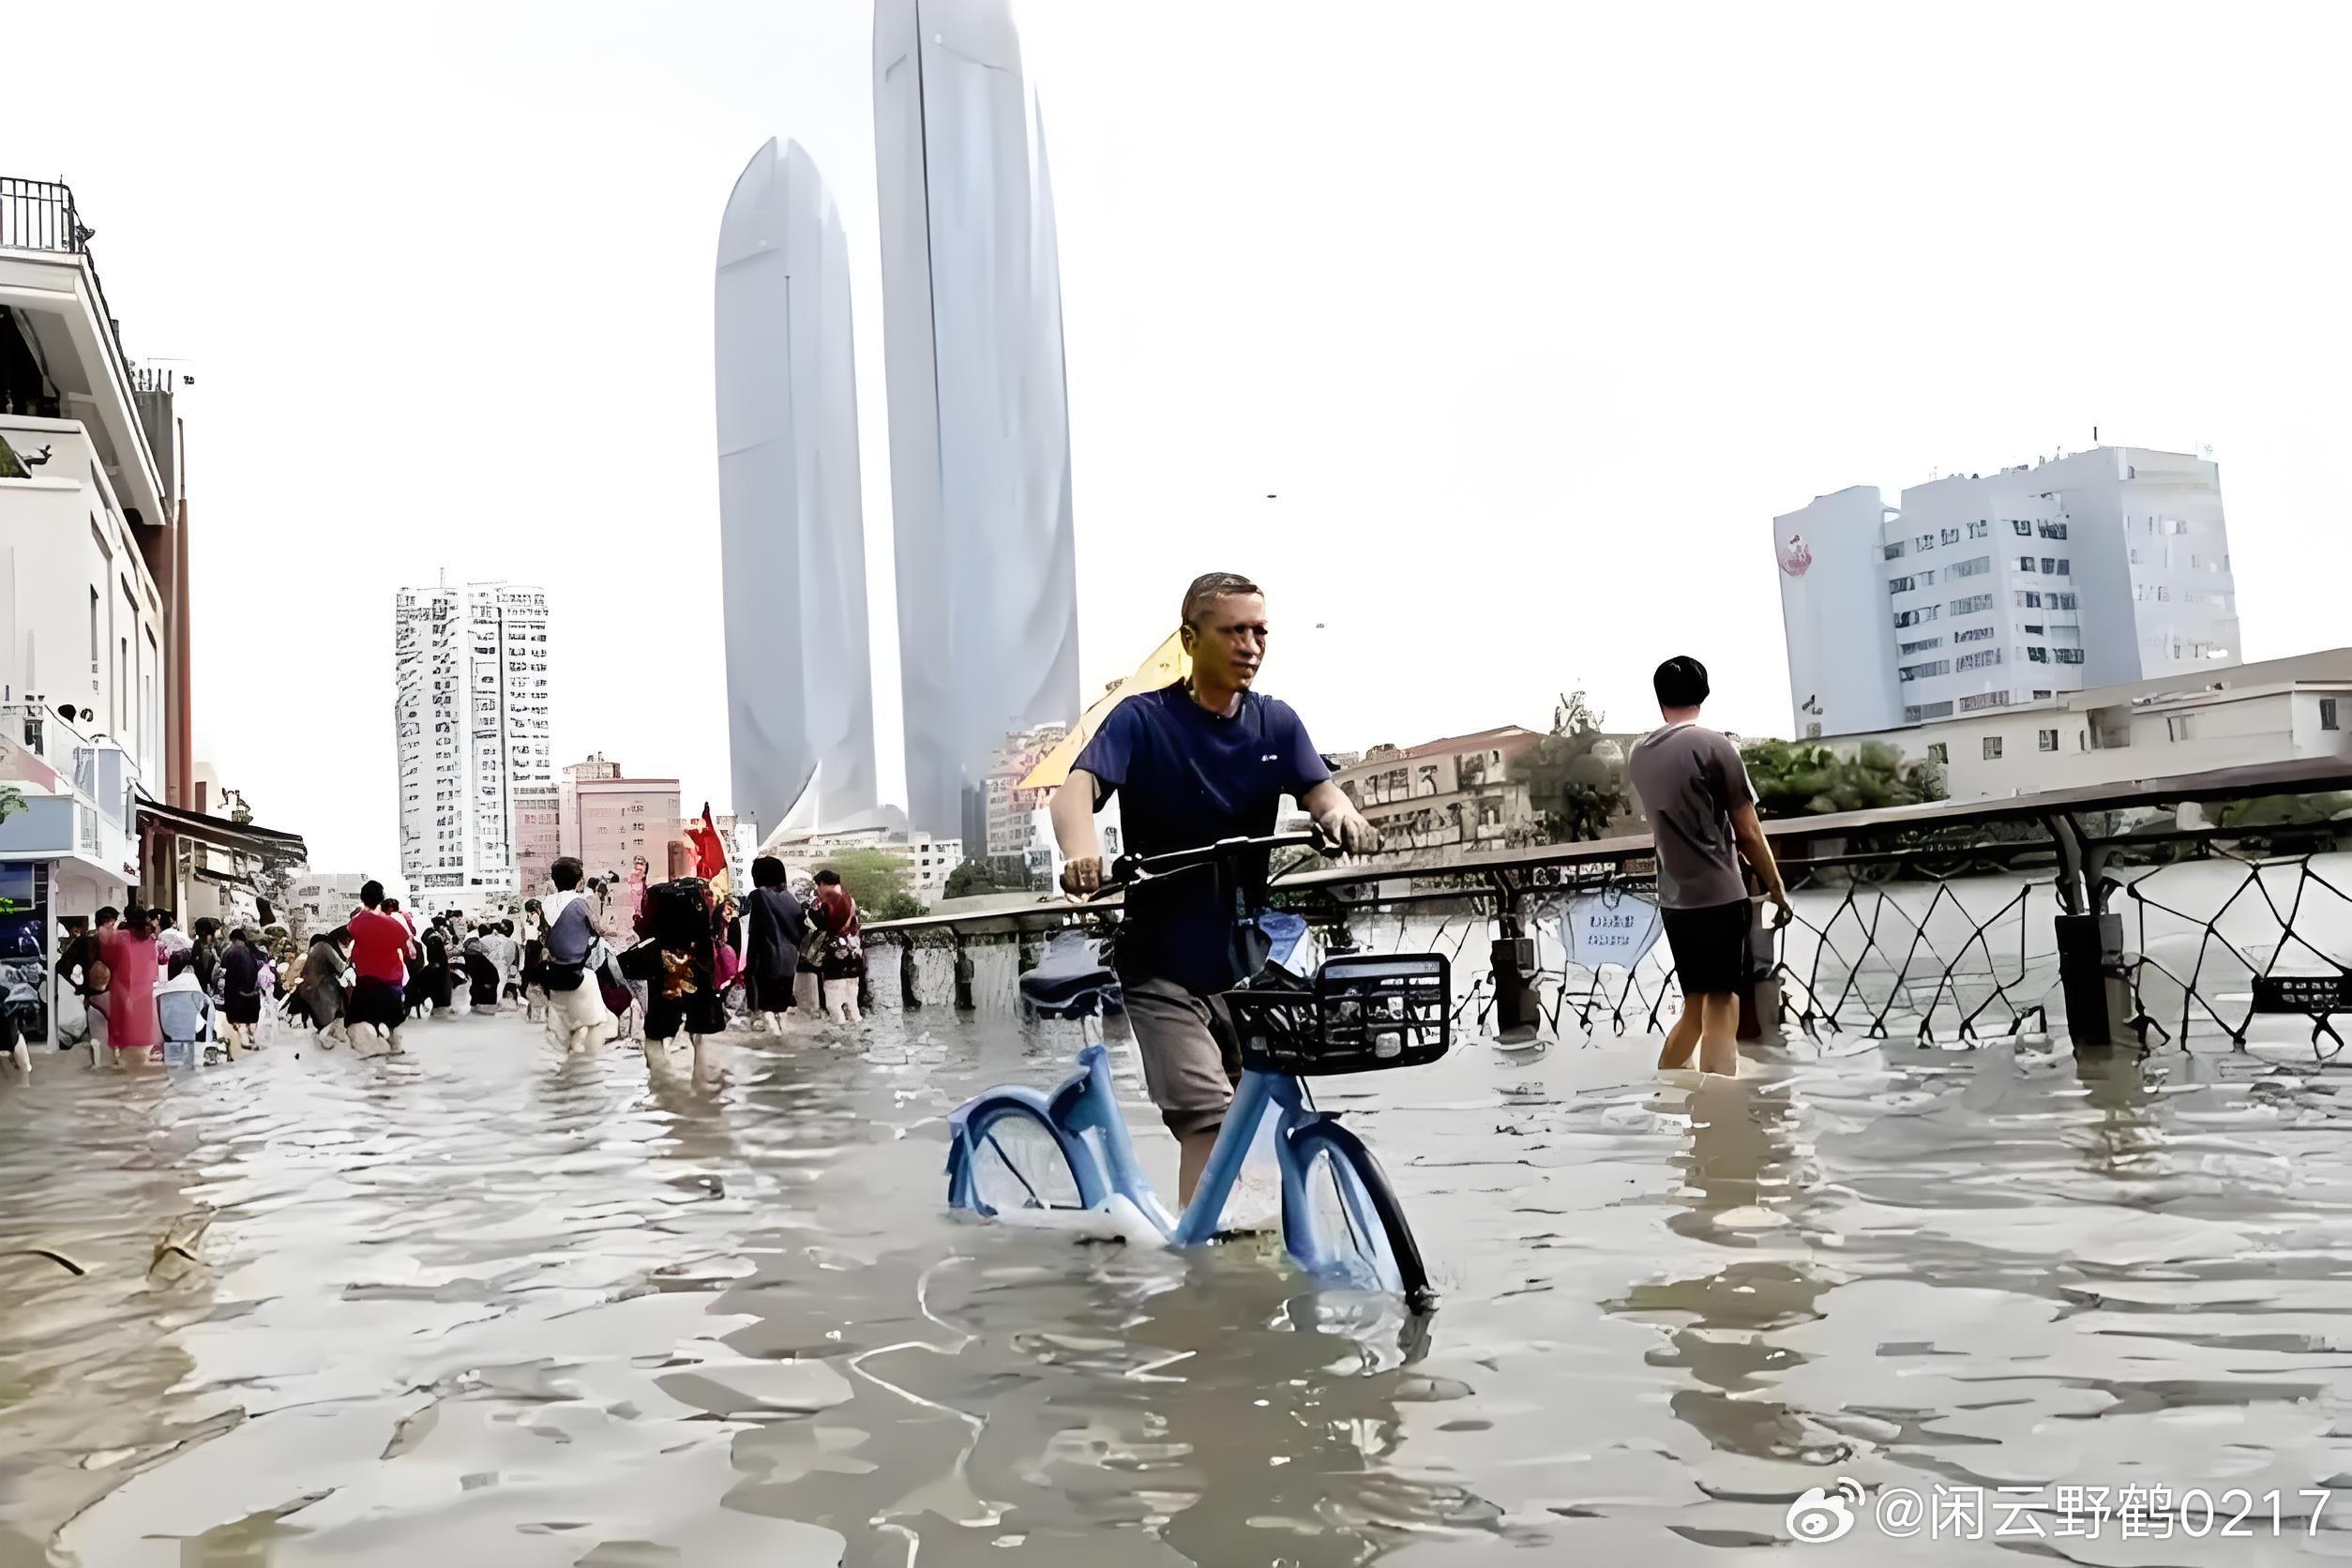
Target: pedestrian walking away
(1694,790)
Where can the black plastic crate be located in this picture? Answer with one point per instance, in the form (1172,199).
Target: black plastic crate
(1364,1013)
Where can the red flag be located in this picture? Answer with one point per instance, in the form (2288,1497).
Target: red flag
(710,854)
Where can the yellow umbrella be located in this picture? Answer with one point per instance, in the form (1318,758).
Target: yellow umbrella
(1168,664)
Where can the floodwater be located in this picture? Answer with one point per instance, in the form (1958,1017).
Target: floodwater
(484,1305)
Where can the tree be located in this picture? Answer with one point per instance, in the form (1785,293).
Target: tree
(1803,779)
(898,905)
(1576,790)
(971,880)
(2283,810)
(872,877)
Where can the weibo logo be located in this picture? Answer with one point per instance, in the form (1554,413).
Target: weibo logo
(1794,557)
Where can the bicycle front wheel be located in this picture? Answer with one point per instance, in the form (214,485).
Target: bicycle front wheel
(1342,1221)
(1011,1159)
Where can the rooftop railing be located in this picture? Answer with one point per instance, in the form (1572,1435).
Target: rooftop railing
(42,215)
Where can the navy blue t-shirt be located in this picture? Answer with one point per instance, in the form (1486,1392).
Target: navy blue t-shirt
(1189,777)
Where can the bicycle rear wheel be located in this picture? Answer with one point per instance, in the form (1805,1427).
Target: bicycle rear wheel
(1343,1223)
(1012,1160)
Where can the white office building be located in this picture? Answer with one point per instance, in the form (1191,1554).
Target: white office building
(470,713)
(1985,591)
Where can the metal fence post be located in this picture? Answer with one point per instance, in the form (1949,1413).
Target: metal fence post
(908,999)
(1518,1010)
(2091,974)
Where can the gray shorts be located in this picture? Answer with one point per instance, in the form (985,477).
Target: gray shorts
(1191,1056)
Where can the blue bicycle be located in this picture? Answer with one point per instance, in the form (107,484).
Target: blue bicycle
(1016,1149)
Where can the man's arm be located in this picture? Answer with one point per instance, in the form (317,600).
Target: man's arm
(1757,851)
(1073,814)
(1337,817)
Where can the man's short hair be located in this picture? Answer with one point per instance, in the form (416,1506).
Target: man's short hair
(208,926)
(1209,587)
(565,873)
(370,893)
(828,878)
(767,871)
(109,913)
(238,935)
(1681,683)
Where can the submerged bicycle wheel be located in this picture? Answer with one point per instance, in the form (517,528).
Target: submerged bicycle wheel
(1016,1161)
(1346,1226)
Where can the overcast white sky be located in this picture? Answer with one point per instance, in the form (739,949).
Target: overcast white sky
(1532,316)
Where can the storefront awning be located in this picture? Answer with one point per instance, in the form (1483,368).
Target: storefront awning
(248,837)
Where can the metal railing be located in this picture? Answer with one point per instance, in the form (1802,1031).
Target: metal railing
(42,215)
(1944,923)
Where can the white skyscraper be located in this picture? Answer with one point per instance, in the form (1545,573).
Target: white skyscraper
(2000,590)
(979,419)
(470,713)
(800,695)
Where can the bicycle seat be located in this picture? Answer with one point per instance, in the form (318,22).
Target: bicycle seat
(1071,981)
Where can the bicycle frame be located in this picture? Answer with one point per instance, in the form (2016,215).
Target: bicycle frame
(1086,1107)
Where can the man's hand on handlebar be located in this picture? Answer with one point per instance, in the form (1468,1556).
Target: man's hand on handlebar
(1345,830)
(1082,879)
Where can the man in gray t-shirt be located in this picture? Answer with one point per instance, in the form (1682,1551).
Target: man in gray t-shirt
(1694,790)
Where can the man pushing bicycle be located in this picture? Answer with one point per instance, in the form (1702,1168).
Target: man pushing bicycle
(1204,759)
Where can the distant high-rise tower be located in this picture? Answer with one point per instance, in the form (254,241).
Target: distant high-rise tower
(470,713)
(800,693)
(979,419)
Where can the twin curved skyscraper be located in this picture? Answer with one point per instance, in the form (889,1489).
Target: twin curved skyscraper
(979,439)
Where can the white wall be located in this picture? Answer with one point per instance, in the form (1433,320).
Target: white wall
(1833,611)
(66,539)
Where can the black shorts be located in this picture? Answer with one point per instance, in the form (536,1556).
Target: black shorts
(377,1002)
(1710,947)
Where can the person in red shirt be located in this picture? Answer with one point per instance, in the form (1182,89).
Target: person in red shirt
(379,961)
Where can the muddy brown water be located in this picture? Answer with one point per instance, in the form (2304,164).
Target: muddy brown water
(484,1305)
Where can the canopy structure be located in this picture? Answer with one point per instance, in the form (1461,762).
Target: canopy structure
(222,833)
(1169,663)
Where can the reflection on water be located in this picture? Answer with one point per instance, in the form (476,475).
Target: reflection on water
(485,1306)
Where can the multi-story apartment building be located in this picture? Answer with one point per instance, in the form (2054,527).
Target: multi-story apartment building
(1010,814)
(929,860)
(1983,591)
(471,714)
(538,835)
(93,717)
(609,820)
(1453,791)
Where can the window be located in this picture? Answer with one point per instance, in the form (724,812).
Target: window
(2024,562)
(1973,634)
(1979,530)
(1925,541)
(1901,584)
(1977,567)
(94,631)
(2051,530)
(2047,739)
(2034,631)
(2327,713)
(1921,646)
(1922,671)
(2029,599)
(1938,751)
(2065,566)
(2049,565)
(1951,536)
(1927,577)
(2062,601)
(1992,749)
(2181,726)
(2025,529)
(1985,661)
(2136,556)
(2037,654)
(1973,604)
(1894,550)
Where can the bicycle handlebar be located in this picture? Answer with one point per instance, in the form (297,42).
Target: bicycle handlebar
(1130,870)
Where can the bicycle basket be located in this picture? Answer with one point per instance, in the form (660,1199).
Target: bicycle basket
(1364,1013)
